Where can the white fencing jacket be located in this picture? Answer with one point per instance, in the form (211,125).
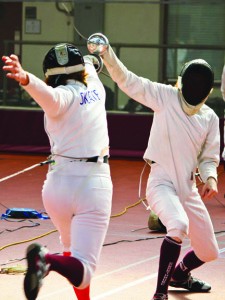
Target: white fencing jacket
(75,115)
(178,142)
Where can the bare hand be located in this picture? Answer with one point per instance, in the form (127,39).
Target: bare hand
(14,69)
(209,189)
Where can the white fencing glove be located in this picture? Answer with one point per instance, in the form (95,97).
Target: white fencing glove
(96,60)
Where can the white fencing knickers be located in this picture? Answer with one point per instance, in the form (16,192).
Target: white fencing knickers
(182,217)
(77,196)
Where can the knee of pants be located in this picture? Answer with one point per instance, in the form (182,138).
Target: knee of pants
(208,253)
(177,228)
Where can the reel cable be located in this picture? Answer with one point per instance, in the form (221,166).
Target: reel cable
(68,13)
(27,169)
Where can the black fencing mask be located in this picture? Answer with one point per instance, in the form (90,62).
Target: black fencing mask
(196,81)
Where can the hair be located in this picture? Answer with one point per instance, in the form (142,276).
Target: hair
(61,79)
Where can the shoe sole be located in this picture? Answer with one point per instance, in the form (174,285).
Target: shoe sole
(190,290)
(32,283)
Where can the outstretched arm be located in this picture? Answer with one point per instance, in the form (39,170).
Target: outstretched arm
(51,100)
(136,87)
(14,69)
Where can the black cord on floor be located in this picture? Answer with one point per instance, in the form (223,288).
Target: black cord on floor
(34,224)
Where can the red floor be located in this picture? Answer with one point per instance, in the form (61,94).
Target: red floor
(128,266)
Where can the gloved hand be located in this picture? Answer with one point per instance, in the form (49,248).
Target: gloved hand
(95,60)
(97,43)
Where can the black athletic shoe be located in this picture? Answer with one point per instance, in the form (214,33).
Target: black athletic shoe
(36,271)
(192,284)
(160,297)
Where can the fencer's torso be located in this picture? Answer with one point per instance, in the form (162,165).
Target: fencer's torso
(178,142)
(75,116)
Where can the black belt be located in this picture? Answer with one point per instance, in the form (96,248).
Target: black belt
(96,158)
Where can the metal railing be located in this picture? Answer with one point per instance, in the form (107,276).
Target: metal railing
(162,48)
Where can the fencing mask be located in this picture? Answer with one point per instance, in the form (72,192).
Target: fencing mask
(195,83)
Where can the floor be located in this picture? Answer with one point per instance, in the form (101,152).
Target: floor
(128,265)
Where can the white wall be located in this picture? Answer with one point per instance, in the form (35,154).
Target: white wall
(124,23)
(55,27)
(135,24)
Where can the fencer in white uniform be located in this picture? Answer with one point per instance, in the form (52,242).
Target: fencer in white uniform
(77,192)
(184,136)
